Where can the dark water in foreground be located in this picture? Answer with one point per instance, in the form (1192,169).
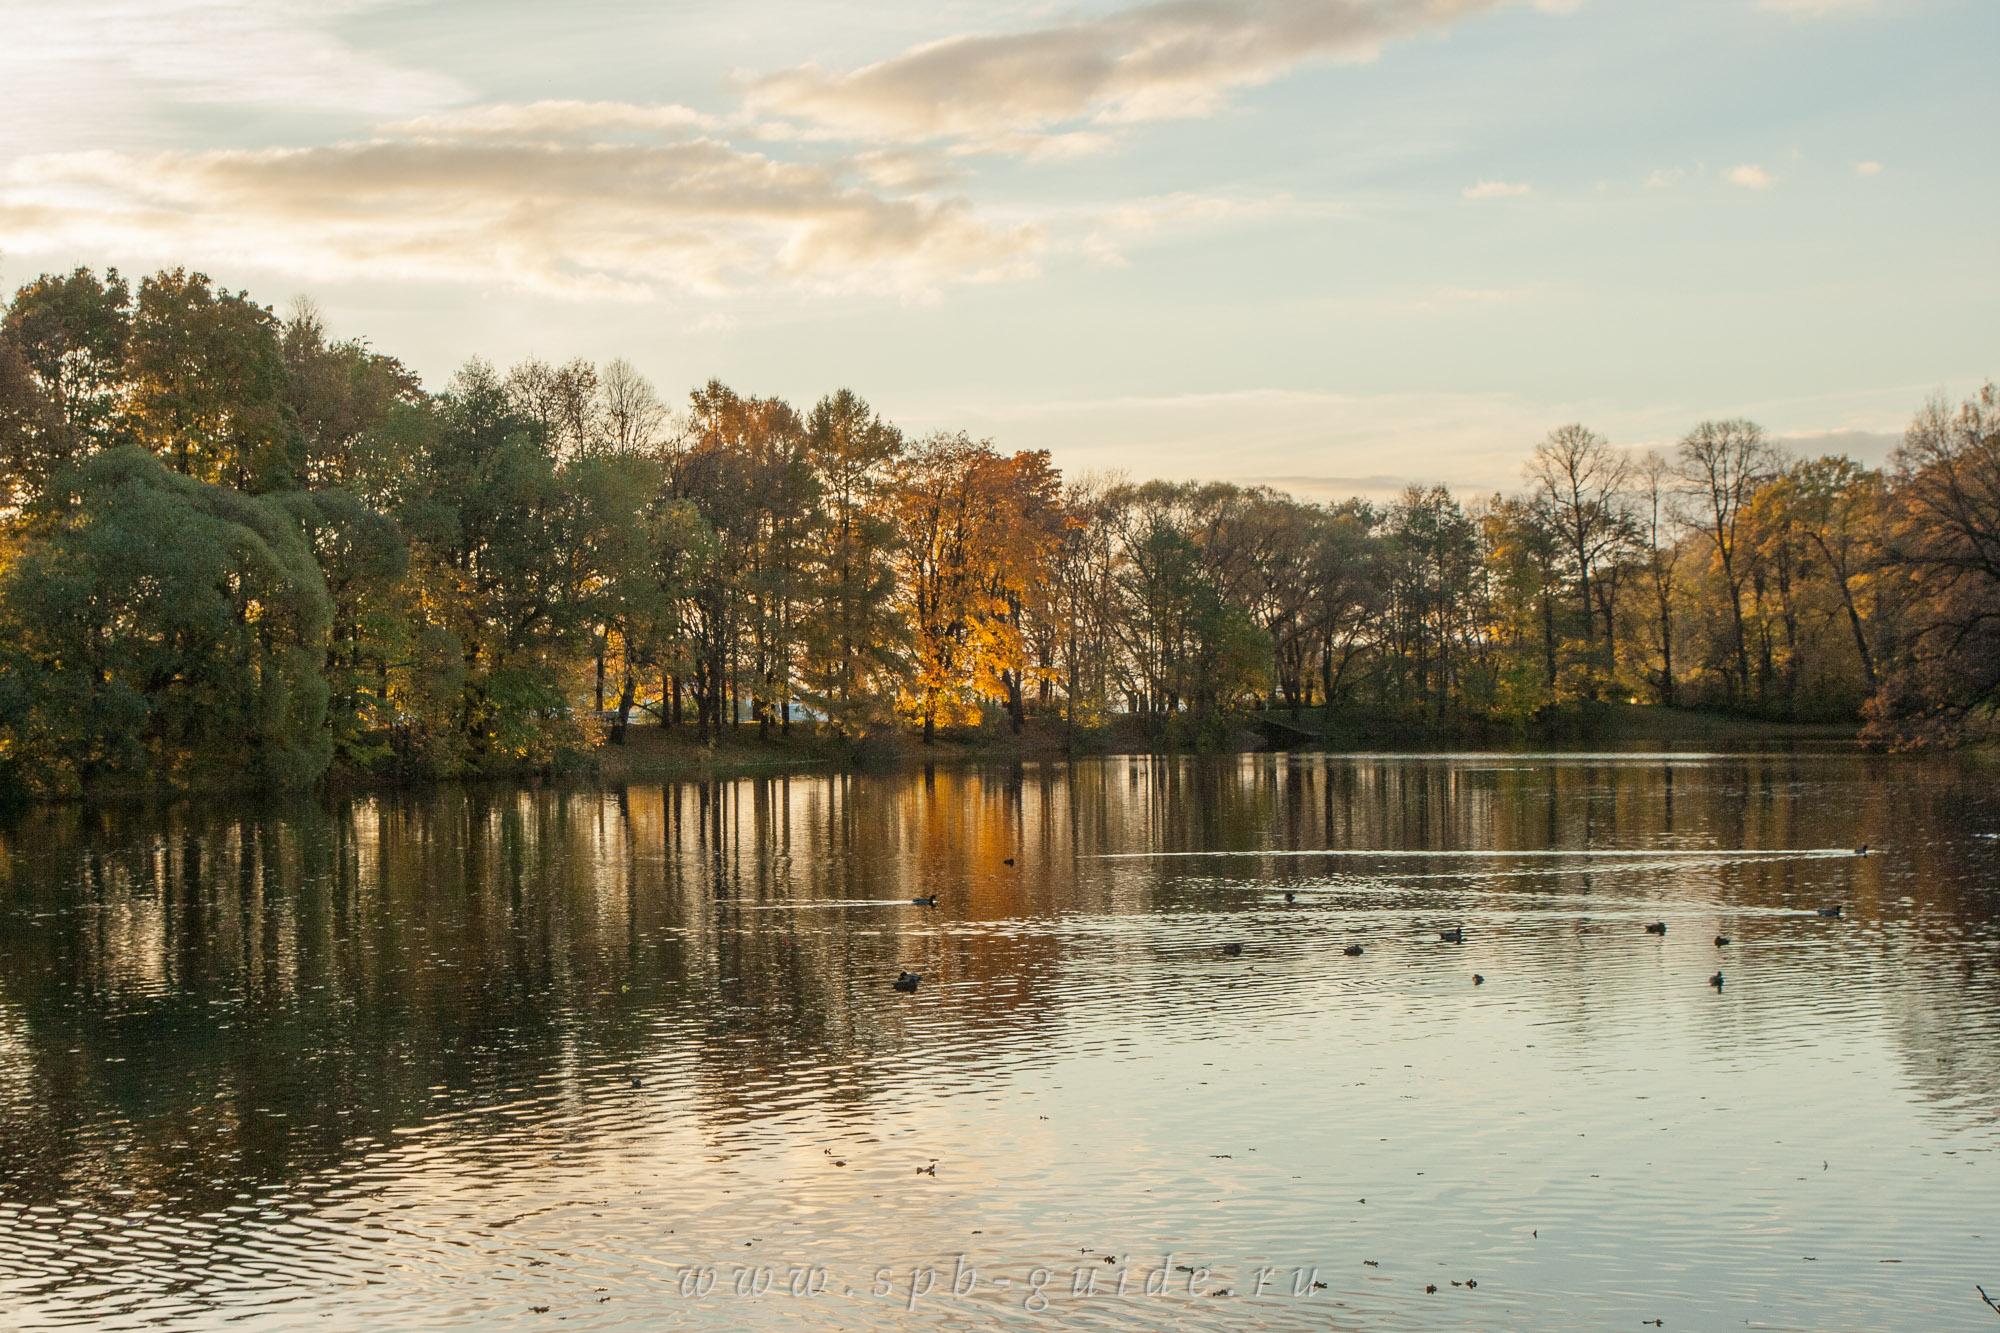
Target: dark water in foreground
(373,1066)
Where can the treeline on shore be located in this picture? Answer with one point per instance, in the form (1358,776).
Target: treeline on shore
(235,550)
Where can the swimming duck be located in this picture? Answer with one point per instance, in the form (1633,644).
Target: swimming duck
(1352,951)
(1833,911)
(1009,861)
(1291,897)
(1862,850)
(1478,980)
(1231,950)
(1721,940)
(1456,935)
(907,981)
(924,902)
(1716,981)
(1657,928)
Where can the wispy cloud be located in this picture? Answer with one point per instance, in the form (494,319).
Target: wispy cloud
(1814,9)
(1748,175)
(1015,91)
(278,53)
(555,121)
(626,198)
(1867,168)
(466,200)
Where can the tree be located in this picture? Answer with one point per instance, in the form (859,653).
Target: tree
(1661,553)
(1582,482)
(630,417)
(1838,506)
(1082,616)
(67,335)
(1946,534)
(350,408)
(976,531)
(558,402)
(27,421)
(502,565)
(746,469)
(207,382)
(1433,581)
(1721,464)
(852,638)
(361,558)
(156,627)
(1024,527)
(1524,551)
(1351,579)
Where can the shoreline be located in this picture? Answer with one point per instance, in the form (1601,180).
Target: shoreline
(651,755)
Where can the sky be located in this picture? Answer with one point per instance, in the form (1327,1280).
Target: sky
(1335,246)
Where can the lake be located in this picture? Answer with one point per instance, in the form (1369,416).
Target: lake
(633,1057)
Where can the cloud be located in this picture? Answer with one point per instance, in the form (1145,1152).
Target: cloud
(554,120)
(274,53)
(1815,9)
(1495,190)
(1867,168)
(489,196)
(1664,178)
(1006,92)
(1749,176)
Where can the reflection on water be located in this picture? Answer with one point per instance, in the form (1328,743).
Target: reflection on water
(632,1058)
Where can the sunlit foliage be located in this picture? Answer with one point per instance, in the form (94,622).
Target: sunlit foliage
(236,551)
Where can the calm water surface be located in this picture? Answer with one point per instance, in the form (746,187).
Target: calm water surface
(631,1058)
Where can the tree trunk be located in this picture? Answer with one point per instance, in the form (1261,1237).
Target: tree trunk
(624,710)
(1860,635)
(1666,653)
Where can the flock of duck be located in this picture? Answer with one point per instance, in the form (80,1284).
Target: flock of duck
(907,981)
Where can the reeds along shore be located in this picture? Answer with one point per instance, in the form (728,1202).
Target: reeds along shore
(232,545)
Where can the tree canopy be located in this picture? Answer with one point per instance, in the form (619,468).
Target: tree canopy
(232,547)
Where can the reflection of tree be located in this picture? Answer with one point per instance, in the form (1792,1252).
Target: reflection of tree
(200,996)
(197,997)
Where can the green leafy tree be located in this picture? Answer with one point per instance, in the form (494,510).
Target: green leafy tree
(207,384)
(68,335)
(852,639)
(156,627)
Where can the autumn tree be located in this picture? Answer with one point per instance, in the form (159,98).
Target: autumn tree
(1658,538)
(1946,535)
(1581,481)
(1721,464)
